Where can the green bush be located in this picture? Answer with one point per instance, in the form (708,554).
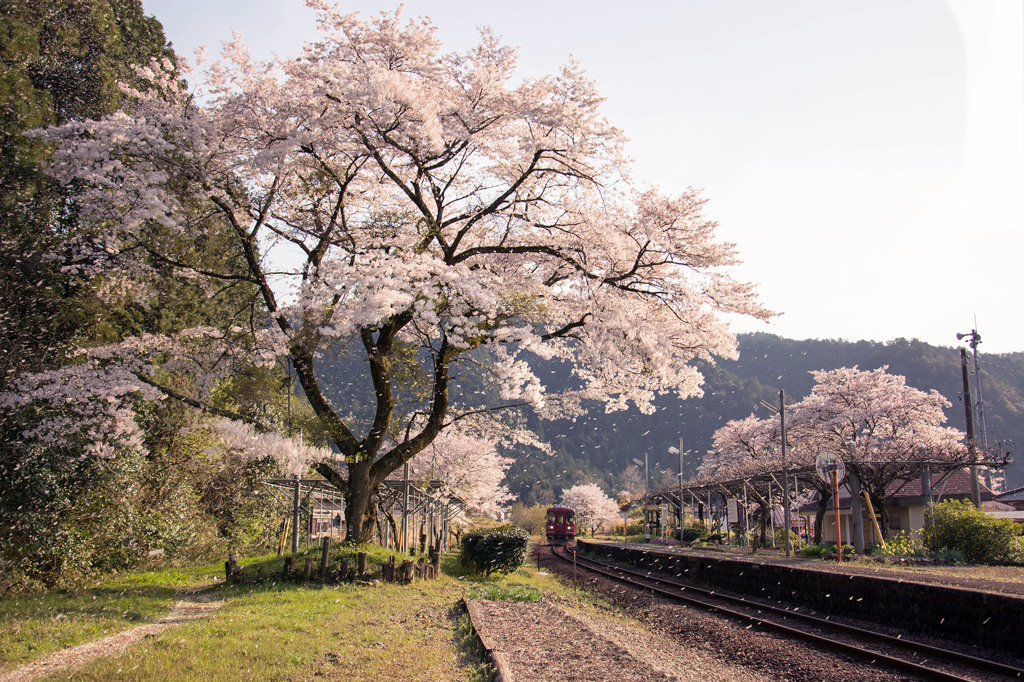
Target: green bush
(635,528)
(812,550)
(695,532)
(795,541)
(825,551)
(957,525)
(902,544)
(501,549)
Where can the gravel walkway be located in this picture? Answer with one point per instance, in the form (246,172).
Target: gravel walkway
(193,606)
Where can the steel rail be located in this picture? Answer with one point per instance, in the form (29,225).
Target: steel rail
(951,657)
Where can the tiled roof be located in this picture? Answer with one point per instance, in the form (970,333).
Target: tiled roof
(957,482)
(1016,495)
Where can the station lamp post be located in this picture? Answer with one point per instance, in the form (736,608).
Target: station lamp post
(647,526)
(682,517)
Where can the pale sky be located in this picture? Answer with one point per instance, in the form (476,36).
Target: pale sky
(867,156)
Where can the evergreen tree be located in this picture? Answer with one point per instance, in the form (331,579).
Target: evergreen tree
(60,60)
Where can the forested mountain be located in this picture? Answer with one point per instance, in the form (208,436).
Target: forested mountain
(601,446)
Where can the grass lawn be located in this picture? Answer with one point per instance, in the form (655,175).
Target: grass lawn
(271,630)
(36,625)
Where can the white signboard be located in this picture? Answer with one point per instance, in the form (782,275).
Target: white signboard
(733,509)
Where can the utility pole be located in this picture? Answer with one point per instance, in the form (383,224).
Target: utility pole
(787,513)
(647,493)
(682,515)
(647,520)
(975,339)
(971,445)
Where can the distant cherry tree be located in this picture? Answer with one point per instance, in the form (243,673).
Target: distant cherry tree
(593,507)
(882,428)
(402,209)
(469,465)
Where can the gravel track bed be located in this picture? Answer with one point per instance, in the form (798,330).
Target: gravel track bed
(725,643)
(545,642)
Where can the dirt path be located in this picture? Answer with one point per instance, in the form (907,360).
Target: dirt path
(193,606)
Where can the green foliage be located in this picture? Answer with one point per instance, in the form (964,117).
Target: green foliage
(825,551)
(59,60)
(501,549)
(795,541)
(510,592)
(65,517)
(812,550)
(530,519)
(903,544)
(269,568)
(635,528)
(695,532)
(957,525)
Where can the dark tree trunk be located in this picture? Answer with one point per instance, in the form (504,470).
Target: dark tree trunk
(883,512)
(764,525)
(819,517)
(360,492)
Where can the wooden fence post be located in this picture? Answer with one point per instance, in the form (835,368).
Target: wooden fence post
(307,572)
(361,557)
(324,556)
(289,566)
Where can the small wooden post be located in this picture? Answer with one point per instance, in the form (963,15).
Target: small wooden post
(289,566)
(361,557)
(324,556)
(436,565)
(343,571)
(307,572)
(231,566)
(284,536)
(407,571)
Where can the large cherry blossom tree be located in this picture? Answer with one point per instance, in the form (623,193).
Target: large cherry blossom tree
(398,206)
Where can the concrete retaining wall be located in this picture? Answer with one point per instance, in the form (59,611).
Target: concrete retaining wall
(958,614)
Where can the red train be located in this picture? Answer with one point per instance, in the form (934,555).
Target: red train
(561,524)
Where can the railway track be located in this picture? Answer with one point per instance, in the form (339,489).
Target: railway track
(925,661)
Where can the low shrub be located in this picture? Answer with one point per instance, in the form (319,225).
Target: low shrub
(958,525)
(795,541)
(695,532)
(903,544)
(825,551)
(812,550)
(501,549)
